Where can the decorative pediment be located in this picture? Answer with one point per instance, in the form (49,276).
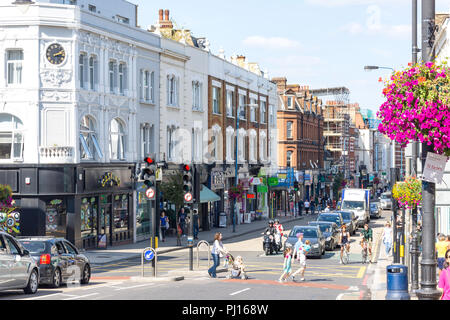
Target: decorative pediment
(55,78)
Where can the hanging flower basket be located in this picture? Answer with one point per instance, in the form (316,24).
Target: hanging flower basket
(408,193)
(417,106)
(236,192)
(9,218)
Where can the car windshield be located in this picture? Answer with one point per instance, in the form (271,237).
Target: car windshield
(37,247)
(385,196)
(346,215)
(325,227)
(307,232)
(354,205)
(330,218)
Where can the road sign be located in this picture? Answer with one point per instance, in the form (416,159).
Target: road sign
(149,255)
(159,174)
(188,197)
(150,193)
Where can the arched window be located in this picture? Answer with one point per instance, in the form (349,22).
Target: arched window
(11,137)
(89,146)
(117,143)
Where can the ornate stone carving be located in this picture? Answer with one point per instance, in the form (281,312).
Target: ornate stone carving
(56,96)
(55,78)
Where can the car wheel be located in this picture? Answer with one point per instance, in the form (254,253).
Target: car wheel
(56,278)
(86,276)
(33,283)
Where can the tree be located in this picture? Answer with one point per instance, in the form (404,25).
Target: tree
(337,184)
(172,189)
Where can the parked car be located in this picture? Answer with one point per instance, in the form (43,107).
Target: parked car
(18,270)
(311,233)
(59,260)
(386,201)
(375,210)
(350,220)
(333,216)
(330,231)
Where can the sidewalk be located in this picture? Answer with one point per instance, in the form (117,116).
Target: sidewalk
(134,250)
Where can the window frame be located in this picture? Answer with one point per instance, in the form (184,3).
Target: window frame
(14,131)
(216,106)
(17,68)
(120,140)
(289,129)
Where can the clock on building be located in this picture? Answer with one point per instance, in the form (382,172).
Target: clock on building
(55,54)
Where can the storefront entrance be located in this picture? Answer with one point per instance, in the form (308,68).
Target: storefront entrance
(105,230)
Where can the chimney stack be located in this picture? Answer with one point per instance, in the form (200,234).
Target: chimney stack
(167,15)
(164,21)
(161,14)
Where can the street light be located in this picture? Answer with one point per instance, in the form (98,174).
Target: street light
(369,68)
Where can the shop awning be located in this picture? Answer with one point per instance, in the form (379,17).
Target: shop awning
(206,195)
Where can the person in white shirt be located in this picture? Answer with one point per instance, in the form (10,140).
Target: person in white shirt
(217,250)
(307,206)
(387,237)
(327,209)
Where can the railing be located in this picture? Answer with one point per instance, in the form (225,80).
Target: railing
(56,154)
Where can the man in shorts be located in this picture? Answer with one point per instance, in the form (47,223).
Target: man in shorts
(368,238)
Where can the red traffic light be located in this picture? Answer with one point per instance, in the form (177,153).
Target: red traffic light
(186,167)
(148,160)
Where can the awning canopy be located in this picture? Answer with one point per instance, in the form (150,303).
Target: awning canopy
(206,195)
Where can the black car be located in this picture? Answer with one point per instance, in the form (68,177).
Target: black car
(59,260)
(375,210)
(350,220)
(335,217)
(330,231)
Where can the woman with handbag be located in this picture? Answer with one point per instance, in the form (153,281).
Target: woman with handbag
(444,278)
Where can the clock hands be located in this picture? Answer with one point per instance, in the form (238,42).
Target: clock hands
(58,54)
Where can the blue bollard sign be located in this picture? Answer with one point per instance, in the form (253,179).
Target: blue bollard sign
(149,255)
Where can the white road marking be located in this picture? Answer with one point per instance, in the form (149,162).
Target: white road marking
(138,286)
(49,295)
(102,286)
(240,291)
(79,297)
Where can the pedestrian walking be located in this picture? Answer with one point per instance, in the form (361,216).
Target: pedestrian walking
(163,225)
(441,248)
(217,250)
(182,221)
(444,278)
(196,223)
(287,265)
(296,253)
(301,257)
(300,206)
(307,204)
(387,237)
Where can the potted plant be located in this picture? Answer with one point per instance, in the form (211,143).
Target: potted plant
(408,193)
(9,218)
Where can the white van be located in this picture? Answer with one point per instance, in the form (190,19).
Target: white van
(357,200)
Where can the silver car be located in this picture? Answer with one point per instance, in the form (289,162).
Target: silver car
(385,201)
(18,270)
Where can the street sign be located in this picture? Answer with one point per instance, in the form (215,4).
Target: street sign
(150,193)
(149,255)
(434,167)
(159,174)
(188,197)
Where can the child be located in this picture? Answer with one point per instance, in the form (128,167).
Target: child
(287,264)
(239,265)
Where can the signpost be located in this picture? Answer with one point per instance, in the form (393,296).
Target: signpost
(149,254)
(150,193)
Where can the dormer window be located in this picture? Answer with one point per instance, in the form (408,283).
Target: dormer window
(290,102)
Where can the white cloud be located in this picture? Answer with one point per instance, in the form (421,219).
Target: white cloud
(353,28)
(271,42)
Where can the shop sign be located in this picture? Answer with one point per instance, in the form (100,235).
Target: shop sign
(250,196)
(273,181)
(109,180)
(102,241)
(434,167)
(256,181)
(262,189)
(217,180)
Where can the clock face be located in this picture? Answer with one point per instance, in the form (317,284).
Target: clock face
(56,53)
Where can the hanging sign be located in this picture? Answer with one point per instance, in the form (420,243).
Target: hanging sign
(434,167)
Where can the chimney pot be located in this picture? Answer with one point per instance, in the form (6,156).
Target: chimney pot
(167,15)
(161,14)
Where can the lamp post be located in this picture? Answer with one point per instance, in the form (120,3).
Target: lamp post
(369,68)
(428,289)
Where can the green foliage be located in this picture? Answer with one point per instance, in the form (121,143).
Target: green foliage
(5,192)
(337,184)
(172,190)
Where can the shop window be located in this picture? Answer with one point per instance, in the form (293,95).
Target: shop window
(120,213)
(143,222)
(11,137)
(89,210)
(56,215)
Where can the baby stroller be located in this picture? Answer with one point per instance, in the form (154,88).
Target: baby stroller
(237,268)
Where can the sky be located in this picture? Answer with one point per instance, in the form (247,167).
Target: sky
(319,43)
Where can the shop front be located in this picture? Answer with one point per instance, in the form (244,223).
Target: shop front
(88,205)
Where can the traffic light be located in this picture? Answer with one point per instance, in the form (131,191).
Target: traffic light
(187,183)
(296,185)
(148,173)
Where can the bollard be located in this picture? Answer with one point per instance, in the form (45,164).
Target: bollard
(209,252)
(397,282)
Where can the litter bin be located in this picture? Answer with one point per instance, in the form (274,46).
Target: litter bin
(397,282)
(222,220)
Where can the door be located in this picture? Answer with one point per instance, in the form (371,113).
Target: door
(74,270)
(18,270)
(5,265)
(64,259)
(105,224)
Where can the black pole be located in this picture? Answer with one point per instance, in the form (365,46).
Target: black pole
(396,246)
(428,289)
(414,248)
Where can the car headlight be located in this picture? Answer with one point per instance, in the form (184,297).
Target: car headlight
(315,246)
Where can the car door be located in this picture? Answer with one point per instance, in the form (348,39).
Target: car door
(73,270)
(5,265)
(63,263)
(19,266)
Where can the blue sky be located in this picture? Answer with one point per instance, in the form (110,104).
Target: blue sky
(320,43)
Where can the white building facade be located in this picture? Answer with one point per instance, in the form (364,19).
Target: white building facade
(78,110)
